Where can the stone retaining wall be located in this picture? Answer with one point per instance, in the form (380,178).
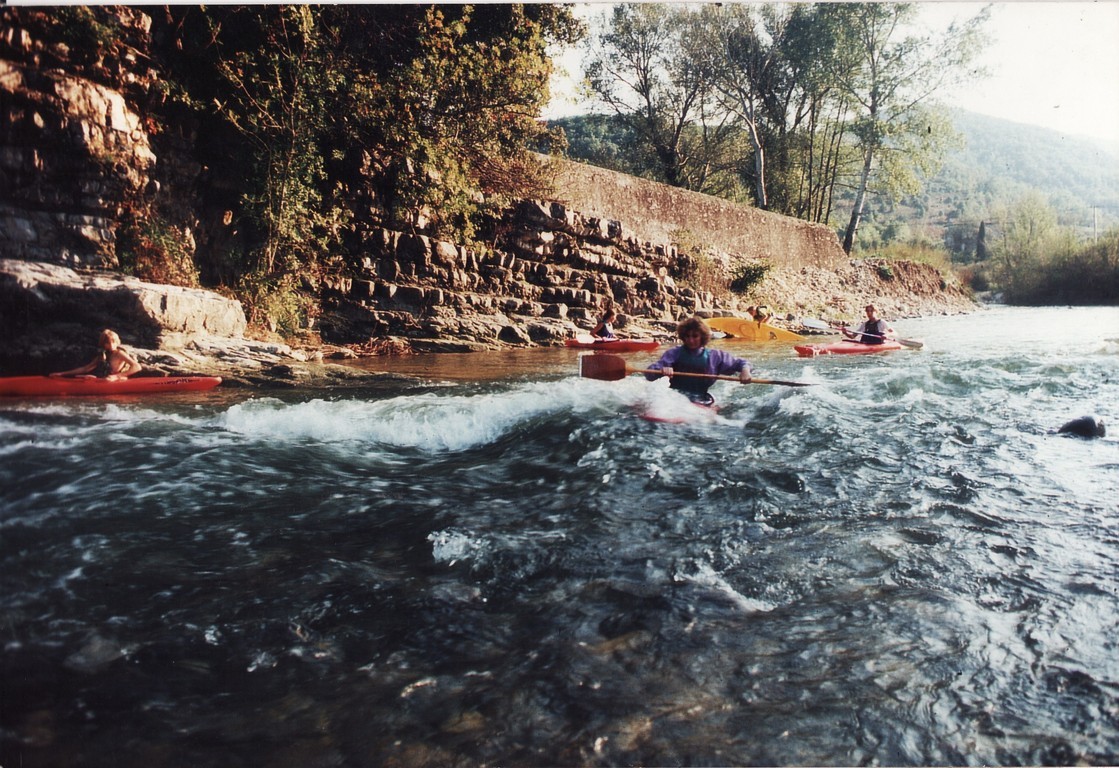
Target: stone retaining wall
(659,213)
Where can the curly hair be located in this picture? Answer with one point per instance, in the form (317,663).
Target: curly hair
(694,323)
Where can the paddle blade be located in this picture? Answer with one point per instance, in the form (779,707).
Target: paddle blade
(911,343)
(602,367)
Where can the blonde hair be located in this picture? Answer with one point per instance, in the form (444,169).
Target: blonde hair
(694,323)
(108,336)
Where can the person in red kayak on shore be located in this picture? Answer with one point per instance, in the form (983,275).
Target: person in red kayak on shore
(605,327)
(693,356)
(112,362)
(873,330)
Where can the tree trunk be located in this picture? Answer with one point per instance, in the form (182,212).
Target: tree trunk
(759,167)
(860,202)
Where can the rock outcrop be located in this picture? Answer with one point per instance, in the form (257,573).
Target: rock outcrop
(52,312)
(76,151)
(53,315)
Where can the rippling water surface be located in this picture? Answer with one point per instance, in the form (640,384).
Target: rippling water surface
(501,563)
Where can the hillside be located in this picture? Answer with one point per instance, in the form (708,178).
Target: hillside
(1031,156)
(1002,161)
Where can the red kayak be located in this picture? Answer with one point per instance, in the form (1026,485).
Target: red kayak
(705,413)
(31,386)
(846,347)
(586,341)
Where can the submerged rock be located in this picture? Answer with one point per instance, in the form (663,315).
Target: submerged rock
(1085,426)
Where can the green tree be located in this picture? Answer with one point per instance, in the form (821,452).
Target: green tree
(741,63)
(891,75)
(641,68)
(755,59)
(1070,272)
(1027,229)
(808,116)
(445,99)
(601,140)
(277,97)
(982,250)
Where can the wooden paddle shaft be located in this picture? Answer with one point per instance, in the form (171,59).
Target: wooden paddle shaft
(721,378)
(863,333)
(684,373)
(615,368)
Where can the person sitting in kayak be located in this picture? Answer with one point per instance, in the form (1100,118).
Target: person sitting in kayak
(874,330)
(605,327)
(693,356)
(112,362)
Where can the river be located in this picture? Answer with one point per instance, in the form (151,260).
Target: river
(494,561)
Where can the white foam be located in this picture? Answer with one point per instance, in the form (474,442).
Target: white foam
(430,422)
(706,576)
(451,546)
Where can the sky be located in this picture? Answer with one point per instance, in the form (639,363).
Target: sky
(1052,64)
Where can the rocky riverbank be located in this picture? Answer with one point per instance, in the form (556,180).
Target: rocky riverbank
(51,315)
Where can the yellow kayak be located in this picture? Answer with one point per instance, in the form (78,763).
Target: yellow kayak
(751,330)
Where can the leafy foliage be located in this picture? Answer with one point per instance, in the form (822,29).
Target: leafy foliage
(645,69)
(87,33)
(154,250)
(277,96)
(748,275)
(695,266)
(1084,274)
(325,120)
(888,77)
(601,140)
(785,105)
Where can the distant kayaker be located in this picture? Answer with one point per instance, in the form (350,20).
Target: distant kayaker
(605,327)
(693,356)
(111,363)
(874,330)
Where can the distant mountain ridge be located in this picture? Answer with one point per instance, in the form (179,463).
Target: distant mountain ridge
(1002,162)
(1076,169)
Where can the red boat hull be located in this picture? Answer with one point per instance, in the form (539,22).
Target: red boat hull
(705,413)
(53,386)
(845,348)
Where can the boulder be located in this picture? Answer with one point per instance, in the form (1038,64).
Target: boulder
(52,314)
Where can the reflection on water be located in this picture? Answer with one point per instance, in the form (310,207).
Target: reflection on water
(513,365)
(501,563)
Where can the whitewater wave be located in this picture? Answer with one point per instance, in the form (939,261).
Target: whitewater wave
(433,422)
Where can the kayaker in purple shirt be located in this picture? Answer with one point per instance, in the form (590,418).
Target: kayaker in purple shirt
(693,356)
